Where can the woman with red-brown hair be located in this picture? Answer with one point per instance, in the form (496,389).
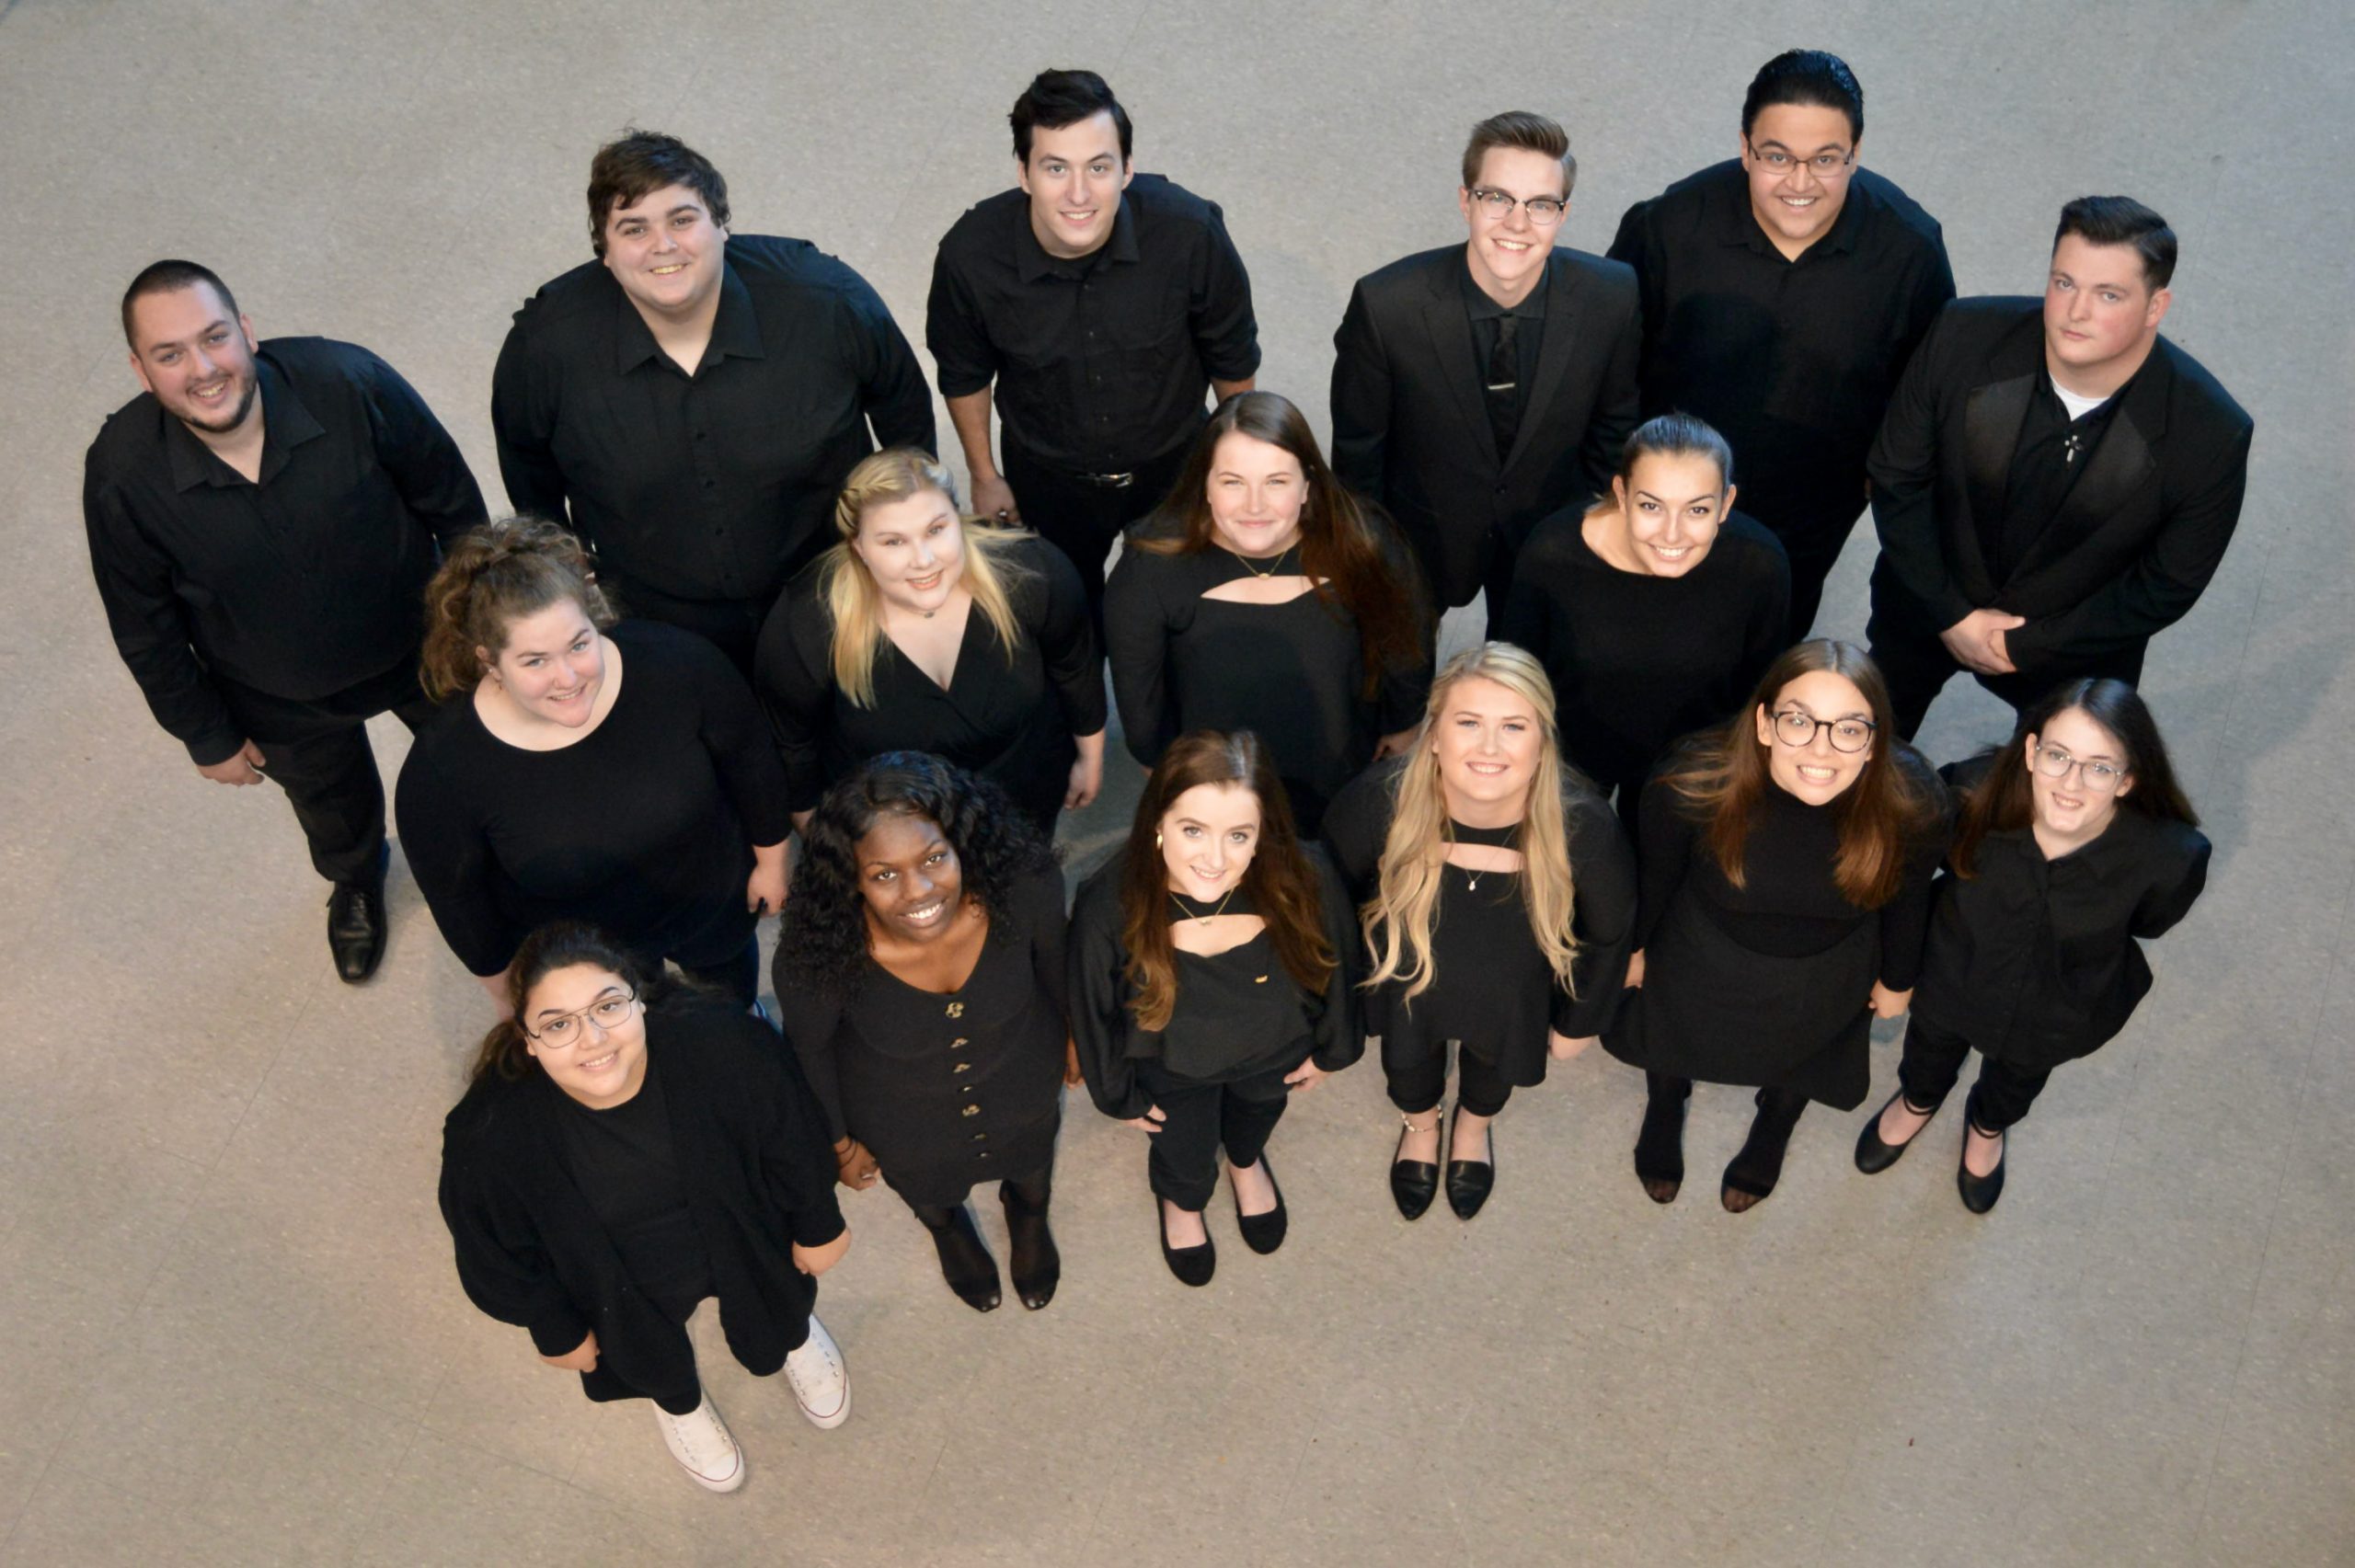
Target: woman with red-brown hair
(1209,978)
(1783,894)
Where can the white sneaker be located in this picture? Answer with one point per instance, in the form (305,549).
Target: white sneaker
(703,1446)
(821,1383)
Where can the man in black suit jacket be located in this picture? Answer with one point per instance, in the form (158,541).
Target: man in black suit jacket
(2051,484)
(1483,386)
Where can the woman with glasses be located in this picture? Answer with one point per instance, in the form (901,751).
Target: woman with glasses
(2075,844)
(626,1148)
(920,976)
(925,630)
(1785,866)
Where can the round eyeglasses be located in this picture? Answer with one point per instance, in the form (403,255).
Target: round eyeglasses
(1797,726)
(566,1029)
(2102,778)
(1544,211)
(1824,166)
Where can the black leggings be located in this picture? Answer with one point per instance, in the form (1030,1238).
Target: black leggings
(1933,1062)
(1480,1088)
(1030,1192)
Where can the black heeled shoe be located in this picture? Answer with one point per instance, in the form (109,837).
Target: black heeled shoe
(1263,1233)
(965,1262)
(1037,1263)
(1979,1193)
(1659,1149)
(1414,1183)
(1192,1265)
(1873,1155)
(1469,1182)
(1757,1165)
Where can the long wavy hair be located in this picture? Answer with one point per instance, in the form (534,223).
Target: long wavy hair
(822,939)
(559,945)
(1339,550)
(853,601)
(1280,882)
(1721,775)
(497,574)
(1399,919)
(2003,798)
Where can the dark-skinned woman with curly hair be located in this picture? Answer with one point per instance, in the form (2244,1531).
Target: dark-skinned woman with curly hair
(920,977)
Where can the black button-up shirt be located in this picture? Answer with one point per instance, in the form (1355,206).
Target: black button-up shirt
(1101,362)
(1793,362)
(2052,450)
(301,584)
(713,487)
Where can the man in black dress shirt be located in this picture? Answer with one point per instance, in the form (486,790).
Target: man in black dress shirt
(692,400)
(1783,291)
(1480,387)
(2056,481)
(262,520)
(1098,305)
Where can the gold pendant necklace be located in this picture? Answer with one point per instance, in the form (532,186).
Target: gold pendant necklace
(1276,561)
(1204,920)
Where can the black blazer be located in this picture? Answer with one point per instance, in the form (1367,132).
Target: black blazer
(759,1174)
(2142,532)
(1410,421)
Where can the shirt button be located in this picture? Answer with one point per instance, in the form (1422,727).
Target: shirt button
(963,1066)
(959,1040)
(703,435)
(971,1111)
(711,484)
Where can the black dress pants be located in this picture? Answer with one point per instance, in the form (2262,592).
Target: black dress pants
(1198,1120)
(1415,1087)
(1081,516)
(1933,1062)
(317,752)
(1914,660)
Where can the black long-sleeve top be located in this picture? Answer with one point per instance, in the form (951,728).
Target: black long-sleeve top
(300,584)
(1011,719)
(2037,961)
(1292,672)
(1637,660)
(750,1158)
(645,825)
(1793,362)
(717,485)
(946,1088)
(1101,362)
(1491,985)
(1238,1015)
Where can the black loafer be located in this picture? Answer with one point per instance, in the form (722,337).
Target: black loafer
(1470,1180)
(1873,1156)
(356,929)
(1192,1265)
(1263,1233)
(1979,1193)
(1413,1183)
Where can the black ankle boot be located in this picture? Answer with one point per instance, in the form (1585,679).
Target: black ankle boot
(1751,1178)
(1660,1145)
(1036,1264)
(965,1262)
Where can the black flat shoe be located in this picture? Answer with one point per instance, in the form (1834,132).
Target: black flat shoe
(1469,1181)
(1413,1183)
(356,929)
(1979,1193)
(1873,1156)
(1659,1149)
(1263,1233)
(1037,1266)
(1192,1265)
(966,1264)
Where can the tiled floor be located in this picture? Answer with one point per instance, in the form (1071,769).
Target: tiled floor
(229,1330)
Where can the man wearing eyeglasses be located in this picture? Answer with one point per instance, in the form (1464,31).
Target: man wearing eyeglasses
(1783,291)
(1483,386)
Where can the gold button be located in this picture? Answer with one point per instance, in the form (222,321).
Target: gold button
(957,1010)
(959,1040)
(962,1067)
(972,1110)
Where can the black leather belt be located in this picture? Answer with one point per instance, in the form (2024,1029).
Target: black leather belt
(1107,481)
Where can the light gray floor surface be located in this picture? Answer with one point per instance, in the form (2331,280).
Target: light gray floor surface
(229,1330)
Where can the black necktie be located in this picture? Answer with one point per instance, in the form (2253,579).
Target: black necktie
(1504,385)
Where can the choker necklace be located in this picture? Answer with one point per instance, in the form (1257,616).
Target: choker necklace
(1185,913)
(1276,561)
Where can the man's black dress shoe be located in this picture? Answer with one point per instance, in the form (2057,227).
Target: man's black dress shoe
(356,929)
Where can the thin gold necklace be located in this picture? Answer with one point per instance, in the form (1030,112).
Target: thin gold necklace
(1204,920)
(1275,561)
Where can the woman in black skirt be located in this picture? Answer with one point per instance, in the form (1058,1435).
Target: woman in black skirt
(1489,921)
(587,770)
(926,630)
(1656,610)
(625,1150)
(1785,868)
(920,976)
(2076,845)
(1209,979)
(1263,596)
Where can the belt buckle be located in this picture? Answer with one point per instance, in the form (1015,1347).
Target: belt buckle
(1110,481)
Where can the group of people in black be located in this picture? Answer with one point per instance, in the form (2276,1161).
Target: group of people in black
(743,649)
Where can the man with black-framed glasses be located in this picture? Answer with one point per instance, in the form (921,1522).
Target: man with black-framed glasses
(1783,291)
(1480,387)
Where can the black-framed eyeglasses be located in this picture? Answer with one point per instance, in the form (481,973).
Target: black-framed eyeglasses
(1825,166)
(2103,778)
(1797,726)
(566,1029)
(1544,211)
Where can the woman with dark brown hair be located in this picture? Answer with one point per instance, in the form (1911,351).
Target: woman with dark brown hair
(2076,845)
(1209,978)
(1263,596)
(1784,890)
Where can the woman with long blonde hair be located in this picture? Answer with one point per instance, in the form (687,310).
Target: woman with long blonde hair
(925,630)
(1497,897)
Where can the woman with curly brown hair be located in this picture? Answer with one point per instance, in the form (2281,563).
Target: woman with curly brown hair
(920,976)
(585,767)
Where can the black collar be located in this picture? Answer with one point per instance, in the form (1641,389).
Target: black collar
(285,424)
(735,328)
(1031,261)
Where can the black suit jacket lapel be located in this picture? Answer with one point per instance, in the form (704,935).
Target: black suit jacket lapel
(2124,460)
(1990,433)
(1553,349)
(1451,336)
